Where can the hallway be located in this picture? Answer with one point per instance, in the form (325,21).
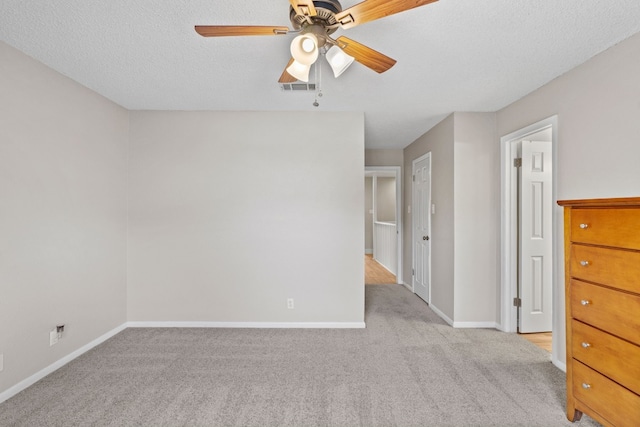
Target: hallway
(376,274)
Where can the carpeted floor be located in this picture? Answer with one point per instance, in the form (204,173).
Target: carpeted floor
(407,368)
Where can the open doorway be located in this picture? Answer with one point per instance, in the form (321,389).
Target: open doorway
(529,291)
(383,225)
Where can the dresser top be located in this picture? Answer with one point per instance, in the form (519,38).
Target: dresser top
(596,203)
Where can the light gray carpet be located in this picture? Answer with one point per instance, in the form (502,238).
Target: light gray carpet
(407,368)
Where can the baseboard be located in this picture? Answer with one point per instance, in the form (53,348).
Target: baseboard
(12,391)
(254,325)
(441,314)
(408,286)
(501,328)
(462,325)
(368,251)
(558,364)
(483,325)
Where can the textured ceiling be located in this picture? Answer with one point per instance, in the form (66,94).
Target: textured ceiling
(453,55)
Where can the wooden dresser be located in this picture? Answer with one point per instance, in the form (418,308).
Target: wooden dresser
(602,291)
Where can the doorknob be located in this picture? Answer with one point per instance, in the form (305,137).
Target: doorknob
(425,237)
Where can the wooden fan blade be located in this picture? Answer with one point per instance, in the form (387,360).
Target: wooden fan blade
(239,30)
(303,7)
(365,55)
(286,77)
(370,10)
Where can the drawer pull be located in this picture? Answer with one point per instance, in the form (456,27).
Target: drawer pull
(584,263)
(586,386)
(586,345)
(585,302)
(583,226)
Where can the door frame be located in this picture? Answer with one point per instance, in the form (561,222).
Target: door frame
(414,162)
(508,226)
(397,171)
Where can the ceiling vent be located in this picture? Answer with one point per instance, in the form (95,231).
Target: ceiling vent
(298,87)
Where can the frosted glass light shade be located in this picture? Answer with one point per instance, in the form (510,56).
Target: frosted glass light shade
(338,60)
(299,71)
(304,49)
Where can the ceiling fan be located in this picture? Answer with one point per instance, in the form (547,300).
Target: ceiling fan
(315,21)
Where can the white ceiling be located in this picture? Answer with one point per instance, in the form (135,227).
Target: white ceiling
(453,55)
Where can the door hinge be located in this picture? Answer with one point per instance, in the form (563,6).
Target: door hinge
(517,163)
(414,178)
(517,302)
(413,272)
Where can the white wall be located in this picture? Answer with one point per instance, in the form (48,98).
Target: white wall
(440,142)
(477,218)
(233,213)
(598,108)
(62,215)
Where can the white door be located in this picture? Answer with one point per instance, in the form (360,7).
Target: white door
(536,243)
(422,226)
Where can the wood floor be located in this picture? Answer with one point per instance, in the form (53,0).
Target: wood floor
(375,274)
(542,340)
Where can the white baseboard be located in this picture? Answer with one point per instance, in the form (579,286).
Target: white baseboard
(462,325)
(255,325)
(558,364)
(500,327)
(368,251)
(12,391)
(408,286)
(441,314)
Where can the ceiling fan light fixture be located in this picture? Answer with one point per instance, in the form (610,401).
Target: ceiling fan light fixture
(338,60)
(304,48)
(299,71)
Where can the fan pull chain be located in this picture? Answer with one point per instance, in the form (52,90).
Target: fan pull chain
(318,71)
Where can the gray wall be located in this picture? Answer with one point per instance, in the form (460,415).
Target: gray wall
(207,222)
(63,152)
(383,157)
(63,203)
(597,105)
(386,199)
(477,217)
(440,142)
(465,227)
(226,223)
(368,215)
(598,108)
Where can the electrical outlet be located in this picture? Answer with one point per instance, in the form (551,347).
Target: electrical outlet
(53,337)
(290,303)
(1,362)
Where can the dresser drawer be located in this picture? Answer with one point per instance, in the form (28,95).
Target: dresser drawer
(611,267)
(608,227)
(611,356)
(613,311)
(613,402)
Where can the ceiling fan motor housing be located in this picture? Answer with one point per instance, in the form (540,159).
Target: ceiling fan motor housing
(326,16)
